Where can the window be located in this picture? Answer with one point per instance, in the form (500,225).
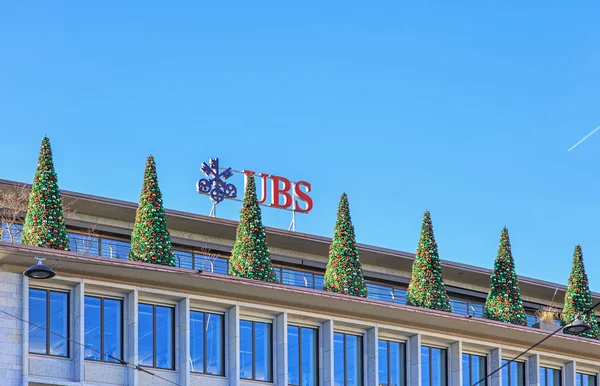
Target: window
(255,351)
(550,377)
(156,336)
(303,368)
(474,369)
(586,380)
(103,329)
(48,322)
(433,366)
(392,363)
(513,374)
(347,360)
(206,343)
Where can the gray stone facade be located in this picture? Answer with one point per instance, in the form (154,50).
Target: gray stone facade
(46,370)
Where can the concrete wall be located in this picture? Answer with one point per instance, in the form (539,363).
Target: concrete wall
(43,370)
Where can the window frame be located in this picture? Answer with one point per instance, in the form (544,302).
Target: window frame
(389,360)
(121,328)
(579,377)
(316,330)
(360,355)
(523,379)
(546,369)
(223,355)
(48,328)
(254,322)
(173,355)
(485,368)
(431,348)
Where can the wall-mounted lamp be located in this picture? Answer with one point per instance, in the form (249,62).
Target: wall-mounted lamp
(39,271)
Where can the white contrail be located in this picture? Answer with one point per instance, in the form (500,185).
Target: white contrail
(584,138)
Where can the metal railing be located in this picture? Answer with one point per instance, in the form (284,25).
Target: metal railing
(116,249)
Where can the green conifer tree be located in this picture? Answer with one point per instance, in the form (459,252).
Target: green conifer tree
(427,288)
(44,222)
(344,273)
(250,257)
(150,239)
(504,302)
(578,298)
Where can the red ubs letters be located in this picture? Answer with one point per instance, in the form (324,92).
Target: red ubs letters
(281,192)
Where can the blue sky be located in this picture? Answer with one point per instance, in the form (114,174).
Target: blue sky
(466,110)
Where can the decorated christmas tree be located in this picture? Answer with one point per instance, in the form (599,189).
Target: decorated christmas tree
(150,239)
(343,274)
(578,298)
(504,302)
(427,288)
(44,222)
(250,257)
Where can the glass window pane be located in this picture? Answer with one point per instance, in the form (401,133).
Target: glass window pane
(396,364)
(214,344)
(520,374)
(197,341)
(293,355)
(482,373)
(309,357)
(164,337)
(425,365)
(245,349)
(92,328)
(37,321)
(112,330)
(466,372)
(262,332)
(146,334)
(338,359)
(383,363)
(353,360)
(436,367)
(59,324)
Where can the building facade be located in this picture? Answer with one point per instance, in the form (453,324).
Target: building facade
(104,320)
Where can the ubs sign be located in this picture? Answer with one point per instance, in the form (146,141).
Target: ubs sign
(275,191)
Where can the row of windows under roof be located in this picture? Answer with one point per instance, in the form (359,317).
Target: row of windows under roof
(111,248)
(103,341)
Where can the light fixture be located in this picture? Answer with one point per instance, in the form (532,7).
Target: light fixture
(577,326)
(39,271)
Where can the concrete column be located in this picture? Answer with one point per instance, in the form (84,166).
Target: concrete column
(131,320)
(455,362)
(25,332)
(281,350)
(78,332)
(326,350)
(414,360)
(570,374)
(371,357)
(232,330)
(532,370)
(183,351)
(494,363)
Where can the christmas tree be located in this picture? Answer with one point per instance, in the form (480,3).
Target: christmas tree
(504,301)
(250,257)
(44,222)
(578,298)
(427,288)
(150,239)
(344,272)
